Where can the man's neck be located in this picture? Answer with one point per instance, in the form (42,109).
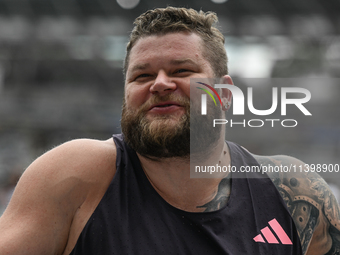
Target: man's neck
(171,179)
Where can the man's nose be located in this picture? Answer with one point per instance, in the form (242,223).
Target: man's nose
(163,84)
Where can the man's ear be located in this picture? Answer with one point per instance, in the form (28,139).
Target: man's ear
(226,93)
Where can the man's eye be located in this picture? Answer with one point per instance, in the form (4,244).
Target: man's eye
(143,75)
(182,71)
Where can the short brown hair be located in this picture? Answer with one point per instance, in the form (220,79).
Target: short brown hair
(161,21)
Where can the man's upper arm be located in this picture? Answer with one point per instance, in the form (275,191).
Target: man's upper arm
(311,203)
(39,215)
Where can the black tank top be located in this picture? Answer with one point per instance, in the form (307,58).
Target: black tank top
(132,218)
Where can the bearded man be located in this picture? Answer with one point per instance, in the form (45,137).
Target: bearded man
(133,194)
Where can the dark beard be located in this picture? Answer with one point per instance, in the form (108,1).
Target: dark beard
(158,139)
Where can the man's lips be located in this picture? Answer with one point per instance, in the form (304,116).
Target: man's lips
(165,107)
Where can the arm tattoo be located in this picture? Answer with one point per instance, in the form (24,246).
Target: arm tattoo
(312,205)
(221,198)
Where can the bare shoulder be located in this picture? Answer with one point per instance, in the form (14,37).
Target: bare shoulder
(81,162)
(310,201)
(87,158)
(51,191)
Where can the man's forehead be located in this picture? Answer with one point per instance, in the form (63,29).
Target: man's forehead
(181,43)
(173,39)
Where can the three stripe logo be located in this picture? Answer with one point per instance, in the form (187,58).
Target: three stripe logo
(270,237)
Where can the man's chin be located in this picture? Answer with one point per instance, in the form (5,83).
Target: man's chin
(164,120)
(159,128)
(170,116)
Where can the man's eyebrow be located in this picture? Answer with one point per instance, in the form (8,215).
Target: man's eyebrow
(144,66)
(182,61)
(140,67)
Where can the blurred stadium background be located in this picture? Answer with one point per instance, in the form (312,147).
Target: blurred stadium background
(61,79)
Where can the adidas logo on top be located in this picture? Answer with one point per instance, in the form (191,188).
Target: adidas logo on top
(269,237)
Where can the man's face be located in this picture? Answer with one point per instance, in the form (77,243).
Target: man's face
(156,110)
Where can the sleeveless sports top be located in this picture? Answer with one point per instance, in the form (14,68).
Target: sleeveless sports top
(132,218)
